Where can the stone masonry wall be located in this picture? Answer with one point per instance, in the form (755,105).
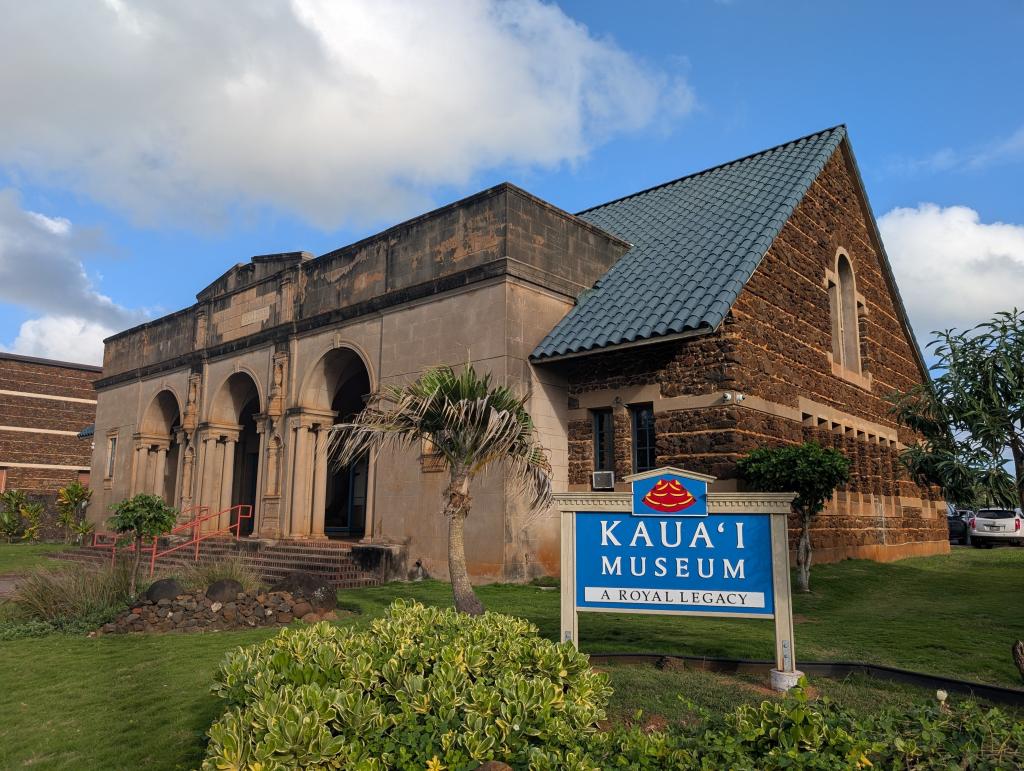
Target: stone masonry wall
(39,401)
(776,346)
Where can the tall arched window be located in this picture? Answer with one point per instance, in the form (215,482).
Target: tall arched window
(842,290)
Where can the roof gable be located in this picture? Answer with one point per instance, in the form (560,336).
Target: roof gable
(696,241)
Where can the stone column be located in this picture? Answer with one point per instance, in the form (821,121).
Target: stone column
(206,490)
(159,472)
(227,479)
(320,469)
(371,494)
(139,469)
(299,522)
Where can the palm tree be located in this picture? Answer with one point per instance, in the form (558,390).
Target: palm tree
(470,424)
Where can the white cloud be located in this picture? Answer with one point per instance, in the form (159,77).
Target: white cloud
(953,269)
(41,270)
(62,337)
(1008,149)
(336,111)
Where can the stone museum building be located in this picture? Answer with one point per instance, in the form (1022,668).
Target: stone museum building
(44,406)
(745,305)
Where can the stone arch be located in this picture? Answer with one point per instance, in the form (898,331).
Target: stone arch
(159,446)
(334,389)
(318,383)
(233,395)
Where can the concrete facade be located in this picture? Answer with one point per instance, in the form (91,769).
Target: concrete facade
(229,402)
(44,404)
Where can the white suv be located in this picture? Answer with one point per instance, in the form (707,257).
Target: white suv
(991,526)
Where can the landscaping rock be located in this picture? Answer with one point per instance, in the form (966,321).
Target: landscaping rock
(225,590)
(186,613)
(314,588)
(302,609)
(164,589)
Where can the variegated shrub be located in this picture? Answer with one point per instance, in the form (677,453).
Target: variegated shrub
(420,685)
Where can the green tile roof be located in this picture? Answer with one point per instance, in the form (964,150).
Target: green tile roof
(695,244)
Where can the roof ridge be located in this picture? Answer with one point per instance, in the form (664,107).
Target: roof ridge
(717,167)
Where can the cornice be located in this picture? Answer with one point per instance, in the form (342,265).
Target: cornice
(718,503)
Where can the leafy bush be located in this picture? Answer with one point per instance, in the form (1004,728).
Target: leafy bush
(199,575)
(12,525)
(436,689)
(71,502)
(73,593)
(421,683)
(32,518)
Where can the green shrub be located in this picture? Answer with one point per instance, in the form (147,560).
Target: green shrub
(419,684)
(12,524)
(72,593)
(425,688)
(197,576)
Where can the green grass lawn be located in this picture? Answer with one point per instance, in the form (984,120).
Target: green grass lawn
(952,615)
(21,557)
(143,700)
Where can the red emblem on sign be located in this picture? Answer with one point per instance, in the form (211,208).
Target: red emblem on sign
(669,496)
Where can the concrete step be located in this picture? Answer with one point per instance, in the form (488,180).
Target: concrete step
(271,561)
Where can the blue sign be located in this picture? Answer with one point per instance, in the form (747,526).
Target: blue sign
(670,556)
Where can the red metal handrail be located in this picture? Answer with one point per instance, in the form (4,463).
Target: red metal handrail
(99,535)
(243,512)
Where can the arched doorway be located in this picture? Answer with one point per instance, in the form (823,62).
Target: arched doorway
(233,425)
(339,385)
(160,438)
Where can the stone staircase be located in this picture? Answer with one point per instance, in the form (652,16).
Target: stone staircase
(271,560)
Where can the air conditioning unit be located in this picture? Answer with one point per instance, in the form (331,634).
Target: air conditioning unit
(603,480)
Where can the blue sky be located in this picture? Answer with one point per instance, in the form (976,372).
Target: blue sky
(156,164)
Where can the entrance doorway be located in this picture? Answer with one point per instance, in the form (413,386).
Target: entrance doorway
(247,460)
(340,383)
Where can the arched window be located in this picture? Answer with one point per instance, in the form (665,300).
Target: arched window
(842,290)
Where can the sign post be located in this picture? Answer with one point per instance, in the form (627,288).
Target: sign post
(671,547)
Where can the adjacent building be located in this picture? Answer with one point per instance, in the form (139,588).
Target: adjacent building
(44,405)
(747,304)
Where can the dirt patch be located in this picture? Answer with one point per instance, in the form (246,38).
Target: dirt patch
(799,618)
(8,584)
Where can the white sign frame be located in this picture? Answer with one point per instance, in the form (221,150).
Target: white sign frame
(775,505)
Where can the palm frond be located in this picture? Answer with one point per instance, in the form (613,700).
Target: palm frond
(469,421)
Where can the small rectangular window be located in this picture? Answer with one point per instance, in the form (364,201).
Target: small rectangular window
(604,440)
(645,450)
(111,455)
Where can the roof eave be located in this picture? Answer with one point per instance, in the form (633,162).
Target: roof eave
(704,329)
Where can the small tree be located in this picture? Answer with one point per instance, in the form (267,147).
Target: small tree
(971,414)
(471,425)
(144,516)
(71,503)
(811,471)
(32,520)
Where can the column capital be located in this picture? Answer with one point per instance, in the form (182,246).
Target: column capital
(308,418)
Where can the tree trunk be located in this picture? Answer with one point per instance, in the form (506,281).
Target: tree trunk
(1018,470)
(803,555)
(457,510)
(135,565)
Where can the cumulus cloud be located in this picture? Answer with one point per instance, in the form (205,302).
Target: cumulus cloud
(62,337)
(41,270)
(335,111)
(953,269)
